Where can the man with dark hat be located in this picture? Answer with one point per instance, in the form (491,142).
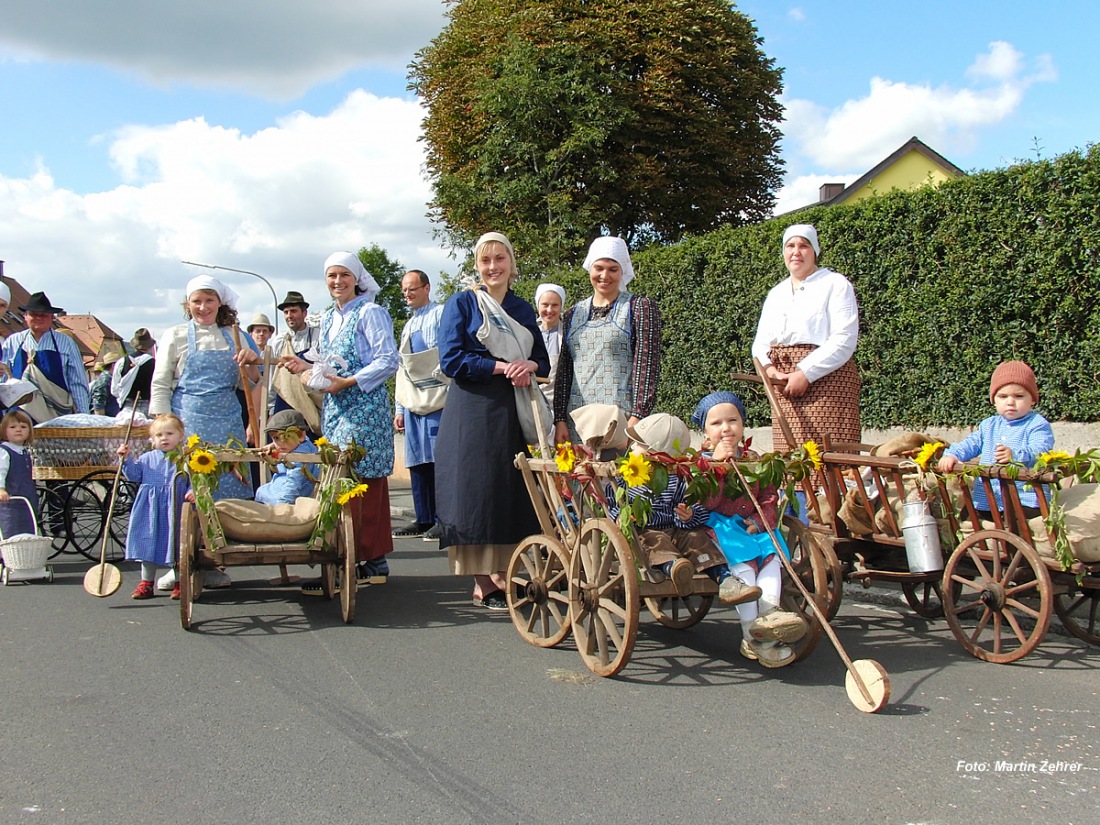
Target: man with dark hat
(133,377)
(302,337)
(58,369)
(103,403)
(298,340)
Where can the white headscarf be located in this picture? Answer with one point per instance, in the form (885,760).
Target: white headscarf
(351,262)
(544,288)
(803,230)
(5,293)
(614,249)
(497,237)
(226,295)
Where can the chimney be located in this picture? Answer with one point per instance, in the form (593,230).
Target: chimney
(828,191)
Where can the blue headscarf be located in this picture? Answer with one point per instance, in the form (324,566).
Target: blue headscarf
(699,417)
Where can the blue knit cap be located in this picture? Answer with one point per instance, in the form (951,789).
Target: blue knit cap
(699,417)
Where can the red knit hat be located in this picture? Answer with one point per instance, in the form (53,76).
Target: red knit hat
(1014,372)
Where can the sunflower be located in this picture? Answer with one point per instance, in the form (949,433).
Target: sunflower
(192,441)
(321,442)
(927,452)
(813,452)
(636,470)
(565,458)
(203,461)
(1052,456)
(354,492)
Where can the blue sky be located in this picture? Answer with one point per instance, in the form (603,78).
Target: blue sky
(264,134)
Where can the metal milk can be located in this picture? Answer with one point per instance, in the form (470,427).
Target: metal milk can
(922,538)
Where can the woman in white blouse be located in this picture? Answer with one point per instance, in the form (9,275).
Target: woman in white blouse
(805,339)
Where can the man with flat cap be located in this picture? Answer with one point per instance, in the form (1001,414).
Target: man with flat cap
(132,378)
(52,357)
(288,391)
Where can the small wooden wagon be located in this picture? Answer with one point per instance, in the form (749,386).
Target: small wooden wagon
(583,575)
(203,544)
(1000,582)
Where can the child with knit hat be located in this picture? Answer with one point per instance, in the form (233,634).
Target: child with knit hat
(1016,434)
(742,534)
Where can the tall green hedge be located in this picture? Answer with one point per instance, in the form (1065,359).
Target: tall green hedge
(950,282)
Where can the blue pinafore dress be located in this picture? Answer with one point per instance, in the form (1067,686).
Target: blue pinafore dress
(15,518)
(148,536)
(353,415)
(603,356)
(206,399)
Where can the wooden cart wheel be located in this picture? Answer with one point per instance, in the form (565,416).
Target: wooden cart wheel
(328,578)
(538,590)
(345,549)
(834,576)
(812,566)
(926,598)
(679,612)
(993,581)
(189,573)
(603,597)
(1079,610)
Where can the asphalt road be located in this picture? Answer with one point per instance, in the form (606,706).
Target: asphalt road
(428,709)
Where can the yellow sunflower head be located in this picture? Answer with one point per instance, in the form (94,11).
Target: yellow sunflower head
(928,452)
(813,452)
(321,442)
(565,458)
(202,461)
(192,441)
(1054,456)
(636,469)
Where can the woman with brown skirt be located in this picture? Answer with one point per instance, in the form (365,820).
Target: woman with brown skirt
(805,339)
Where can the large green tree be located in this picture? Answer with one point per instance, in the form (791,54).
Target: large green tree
(558,120)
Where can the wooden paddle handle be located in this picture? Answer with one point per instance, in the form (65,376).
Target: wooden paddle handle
(246,385)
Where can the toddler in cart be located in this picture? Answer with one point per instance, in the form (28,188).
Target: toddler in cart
(1015,434)
(16,478)
(675,537)
(744,538)
(153,518)
(289,481)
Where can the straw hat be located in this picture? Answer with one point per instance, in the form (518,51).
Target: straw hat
(260,320)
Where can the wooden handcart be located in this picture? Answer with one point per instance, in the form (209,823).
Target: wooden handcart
(203,544)
(999,585)
(583,575)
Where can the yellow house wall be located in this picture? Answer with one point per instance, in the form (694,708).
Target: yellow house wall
(911,171)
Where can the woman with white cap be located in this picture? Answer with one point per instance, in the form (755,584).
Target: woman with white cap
(356,404)
(805,339)
(490,346)
(611,343)
(549,304)
(196,376)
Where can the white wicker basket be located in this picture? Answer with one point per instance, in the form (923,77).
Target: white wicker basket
(26,552)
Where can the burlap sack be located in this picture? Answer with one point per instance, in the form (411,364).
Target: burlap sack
(250,522)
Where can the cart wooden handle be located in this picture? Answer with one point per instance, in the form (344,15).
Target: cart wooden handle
(246,385)
(873,700)
(773,400)
(105,579)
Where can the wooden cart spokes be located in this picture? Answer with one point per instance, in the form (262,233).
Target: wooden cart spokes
(203,545)
(583,575)
(1002,584)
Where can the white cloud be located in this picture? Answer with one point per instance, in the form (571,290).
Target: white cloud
(857,134)
(276,202)
(797,15)
(274,48)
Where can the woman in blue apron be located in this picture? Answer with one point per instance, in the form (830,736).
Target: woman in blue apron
(196,376)
(357,405)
